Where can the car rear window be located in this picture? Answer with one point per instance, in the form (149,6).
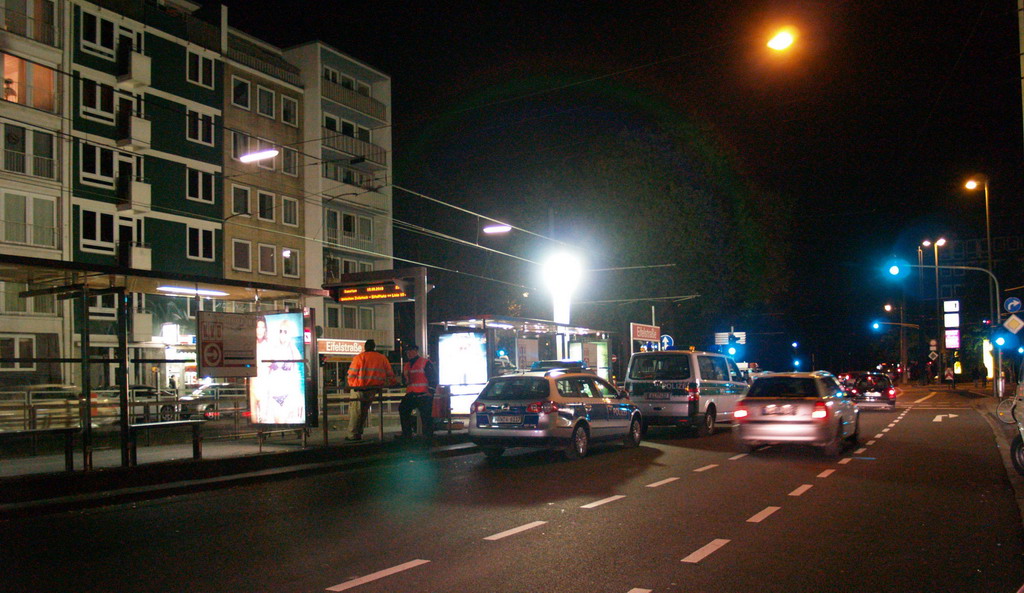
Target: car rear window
(783,387)
(667,366)
(516,388)
(873,382)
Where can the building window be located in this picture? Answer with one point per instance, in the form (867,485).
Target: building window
(290,161)
(348,225)
(289,111)
(97,231)
(30,84)
(200,70)
(349,317)
(199,127)
(97,165)
(265,101)
(200,243)
(239,145)
(239,200)
(333,317)
(332,267)
(330,74)
(290,264)
(332,123)
(365,228)
(365,267)
(290,211)
(17,346)
(266,206)
(366,318)
(268,259)
(354,131)
(241,255)
(29,220)
(104,305)
(331,224)
(240,89)
(349,266)
(28,151)
(97,101)
(200,185)
(98,35)
(262,145)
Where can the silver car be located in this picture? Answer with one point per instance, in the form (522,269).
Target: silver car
(806,408)
(554,409)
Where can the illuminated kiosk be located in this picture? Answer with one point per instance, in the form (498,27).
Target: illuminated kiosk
(472,350)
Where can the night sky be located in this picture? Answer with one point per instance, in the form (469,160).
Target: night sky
(667,133)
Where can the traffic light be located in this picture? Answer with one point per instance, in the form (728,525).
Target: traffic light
(733,347)
(323,359)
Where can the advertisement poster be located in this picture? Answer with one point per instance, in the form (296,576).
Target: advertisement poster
(463,367)
(277,394)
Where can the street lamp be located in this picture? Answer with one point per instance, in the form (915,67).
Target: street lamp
(904,371)
(993,299)
(782,40)
(938,302)
(261,155)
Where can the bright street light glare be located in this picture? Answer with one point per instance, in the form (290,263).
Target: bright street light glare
(971,184)
(888,307)
(494,229)
(894,270)
(252,157)
(782,40)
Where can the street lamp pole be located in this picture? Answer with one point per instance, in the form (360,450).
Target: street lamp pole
(993,298)
(940,342)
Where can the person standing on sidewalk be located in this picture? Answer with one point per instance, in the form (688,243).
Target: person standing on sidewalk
(420,382)
(368,375)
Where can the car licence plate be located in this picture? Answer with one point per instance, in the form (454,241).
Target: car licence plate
(657,395)
(774,410)
(507,419)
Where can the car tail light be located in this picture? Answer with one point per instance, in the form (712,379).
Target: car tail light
(479,407)
(853,390)
(692,392)
(820,411)
(544,407)
(892,393)
(741,413)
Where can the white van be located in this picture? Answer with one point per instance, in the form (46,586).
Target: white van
(685,388)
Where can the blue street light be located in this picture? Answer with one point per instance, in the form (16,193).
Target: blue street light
(795,344)
(796,364)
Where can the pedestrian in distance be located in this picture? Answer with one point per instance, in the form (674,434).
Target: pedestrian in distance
(420,376)
(368,375)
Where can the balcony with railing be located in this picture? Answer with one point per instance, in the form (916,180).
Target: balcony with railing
(357,148)
(28,27)
(358,101)
(134,194)
(167,18)
(253,56)
(135,255)
(134,131)
(134,69)
(30,164)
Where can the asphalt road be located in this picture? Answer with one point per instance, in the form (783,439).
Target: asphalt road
(922,504)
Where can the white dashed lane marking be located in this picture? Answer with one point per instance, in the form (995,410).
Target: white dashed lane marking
(763,515)
(640,590)
(801,490)
(706,467)
(603,501)
(735,457)
(859,451)
(514,531)
(662,483)
(826,473)
(869,443)
(706,551)
(879,435)
(378,575)
(844,461)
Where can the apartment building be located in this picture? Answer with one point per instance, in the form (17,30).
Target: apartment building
(347,150)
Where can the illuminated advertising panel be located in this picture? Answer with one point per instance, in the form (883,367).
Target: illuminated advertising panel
(952,339)
(277,394)
(384,292)
(462,365)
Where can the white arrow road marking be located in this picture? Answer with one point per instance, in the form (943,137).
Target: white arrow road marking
(662,483)
(706,551)
(514,531)
(378,575)
(941,416)
(763,515)
(603,501)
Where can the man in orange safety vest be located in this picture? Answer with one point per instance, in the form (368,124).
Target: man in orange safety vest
(420,381)
(368,375)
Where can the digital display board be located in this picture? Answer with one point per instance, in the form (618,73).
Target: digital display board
(381,292)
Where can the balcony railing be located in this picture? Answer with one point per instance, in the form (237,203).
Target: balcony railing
(31,28)
(368,105)
(31,235)
(36,96)
(36,166)
(371,152)
(167,18)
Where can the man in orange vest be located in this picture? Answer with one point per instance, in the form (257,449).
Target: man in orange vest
(420,381)
(368,375)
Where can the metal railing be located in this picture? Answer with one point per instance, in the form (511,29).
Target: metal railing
(29,164)
(32,235)
(29,27)
(335,140)
(31,95)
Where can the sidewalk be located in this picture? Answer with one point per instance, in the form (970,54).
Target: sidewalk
(167,470)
